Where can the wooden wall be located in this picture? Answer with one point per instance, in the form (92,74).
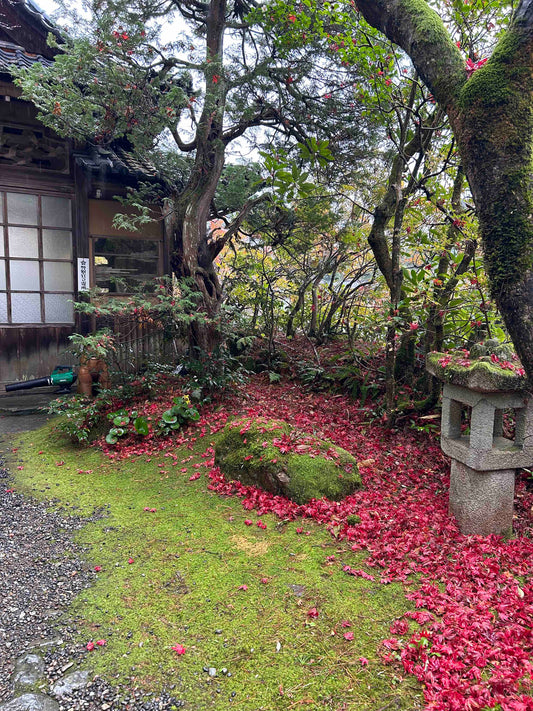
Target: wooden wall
(28,353)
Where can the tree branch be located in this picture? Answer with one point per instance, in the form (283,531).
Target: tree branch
(419,30)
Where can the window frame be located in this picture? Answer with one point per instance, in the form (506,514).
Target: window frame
(141,238)
(40,259)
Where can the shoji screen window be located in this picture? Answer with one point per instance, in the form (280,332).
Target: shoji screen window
(36,260)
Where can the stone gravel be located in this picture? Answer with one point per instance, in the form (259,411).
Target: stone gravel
(41,572)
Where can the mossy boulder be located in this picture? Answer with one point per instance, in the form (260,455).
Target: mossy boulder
(278,458)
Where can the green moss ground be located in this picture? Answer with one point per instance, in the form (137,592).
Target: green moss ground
(190,557)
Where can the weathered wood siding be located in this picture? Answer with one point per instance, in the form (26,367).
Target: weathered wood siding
(27,353)
(139,343)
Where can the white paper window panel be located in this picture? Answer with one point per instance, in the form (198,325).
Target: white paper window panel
(25,308)
(57,244)
(56,211)
(57,308)
(23,242)
(1,208)
(2,274)
(22,209)
(2,245)
(3,308)
(58,276)
(24,275)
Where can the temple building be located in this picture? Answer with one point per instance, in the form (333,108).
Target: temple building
(56,211)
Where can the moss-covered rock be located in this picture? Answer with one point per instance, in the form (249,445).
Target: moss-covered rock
(278,458)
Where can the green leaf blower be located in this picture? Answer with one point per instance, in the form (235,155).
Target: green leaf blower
(62,375)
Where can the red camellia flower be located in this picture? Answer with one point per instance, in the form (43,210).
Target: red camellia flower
(90,646)
(471,66)
(313,612)
(179,649)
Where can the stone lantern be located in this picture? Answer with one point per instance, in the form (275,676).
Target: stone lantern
(484,462)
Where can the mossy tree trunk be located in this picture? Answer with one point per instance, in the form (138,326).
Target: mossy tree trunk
(491,115)
(296,309)
(399,361)
(326,326)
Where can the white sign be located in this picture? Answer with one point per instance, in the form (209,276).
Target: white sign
(83,274)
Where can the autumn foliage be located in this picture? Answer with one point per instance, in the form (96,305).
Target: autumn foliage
(467,638)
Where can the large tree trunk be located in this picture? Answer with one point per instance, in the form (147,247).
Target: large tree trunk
(496,131)
(491,116)
(193,253)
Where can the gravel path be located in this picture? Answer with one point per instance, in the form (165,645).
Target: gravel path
(41,572)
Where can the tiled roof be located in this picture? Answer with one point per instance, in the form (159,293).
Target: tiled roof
(39,15)
(115,160)
(11,55)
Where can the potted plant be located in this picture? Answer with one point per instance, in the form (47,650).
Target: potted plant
(93,352)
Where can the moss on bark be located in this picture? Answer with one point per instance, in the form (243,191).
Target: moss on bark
(498,126)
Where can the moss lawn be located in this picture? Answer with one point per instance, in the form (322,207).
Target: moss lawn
(236,596)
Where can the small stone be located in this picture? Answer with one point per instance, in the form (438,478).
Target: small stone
(28,670)
(212,671)
(45,643)
(223,670)
(68,684)
(298,590)
(31,702)
(218,631)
